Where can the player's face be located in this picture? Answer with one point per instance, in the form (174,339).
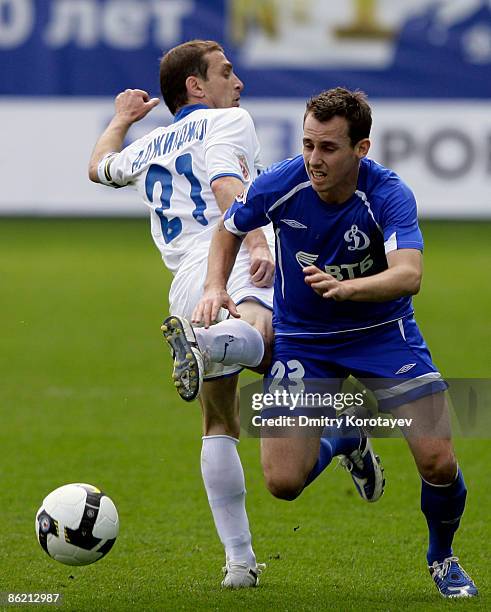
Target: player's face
(222,87)
(331,161)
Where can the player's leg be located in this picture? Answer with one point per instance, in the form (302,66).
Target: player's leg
(224,481)
(244,341)
(294,456)
(288,461)
(260,317)
(239,341)
(196,351)
(221,430)
(443,490)
(416,391)
(221,468)
(248,340)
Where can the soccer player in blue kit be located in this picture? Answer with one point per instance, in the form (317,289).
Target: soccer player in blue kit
(348,260)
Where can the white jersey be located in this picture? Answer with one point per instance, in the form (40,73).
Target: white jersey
(173,167)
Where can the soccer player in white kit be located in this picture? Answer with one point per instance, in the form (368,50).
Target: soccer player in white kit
(188,174)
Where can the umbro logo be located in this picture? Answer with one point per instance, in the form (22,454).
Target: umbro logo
(405,368)
(294,223)
(306,259)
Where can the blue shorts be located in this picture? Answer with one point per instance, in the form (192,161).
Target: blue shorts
(391,360)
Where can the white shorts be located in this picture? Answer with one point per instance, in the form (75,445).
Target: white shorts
(187,289)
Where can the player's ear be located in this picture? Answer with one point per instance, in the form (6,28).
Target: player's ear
(194,87)
(362,147)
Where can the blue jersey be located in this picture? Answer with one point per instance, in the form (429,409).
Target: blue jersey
(346,240)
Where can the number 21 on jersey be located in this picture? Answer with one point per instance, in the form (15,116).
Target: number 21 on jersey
(171,228)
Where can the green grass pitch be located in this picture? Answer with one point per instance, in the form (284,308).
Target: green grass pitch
(85,395)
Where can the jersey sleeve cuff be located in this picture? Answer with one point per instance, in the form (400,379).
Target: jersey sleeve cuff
(230,227)
(217,176)
(393,244)
(402,245)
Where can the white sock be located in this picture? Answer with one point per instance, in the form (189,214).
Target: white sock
(230,342)
(225,486)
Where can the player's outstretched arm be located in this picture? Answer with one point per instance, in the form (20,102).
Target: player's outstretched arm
(403,277)
(131,105)
(221,258)
(226,189)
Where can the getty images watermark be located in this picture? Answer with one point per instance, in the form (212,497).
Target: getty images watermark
(295,401)
(299,407)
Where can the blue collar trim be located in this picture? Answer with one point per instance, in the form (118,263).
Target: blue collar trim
(187,110)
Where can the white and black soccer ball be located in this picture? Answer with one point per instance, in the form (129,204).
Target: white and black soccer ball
(77,524)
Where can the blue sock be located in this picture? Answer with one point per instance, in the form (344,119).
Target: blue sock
(344,440)
(333,442)
(443,508)
(325,457)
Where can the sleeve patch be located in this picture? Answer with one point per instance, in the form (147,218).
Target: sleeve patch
(104,171)
(244,168)
(391,243)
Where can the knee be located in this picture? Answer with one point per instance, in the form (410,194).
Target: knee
(284,486)
(261,319)
(438,467)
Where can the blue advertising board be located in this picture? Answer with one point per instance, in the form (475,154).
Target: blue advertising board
(389,48)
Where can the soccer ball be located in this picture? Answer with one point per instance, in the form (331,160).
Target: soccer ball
(77,524)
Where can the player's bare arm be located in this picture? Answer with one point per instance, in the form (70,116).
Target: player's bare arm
(130,105)
(225,190)
(402,278)
(221,258)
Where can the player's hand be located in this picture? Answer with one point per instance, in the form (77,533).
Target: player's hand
(262,267)
(133,104)
(326,285)
(207,309)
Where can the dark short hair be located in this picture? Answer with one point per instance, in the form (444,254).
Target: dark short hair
(341,102)
(188,59)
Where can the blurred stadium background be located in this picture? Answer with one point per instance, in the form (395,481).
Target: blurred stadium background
(84,392)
